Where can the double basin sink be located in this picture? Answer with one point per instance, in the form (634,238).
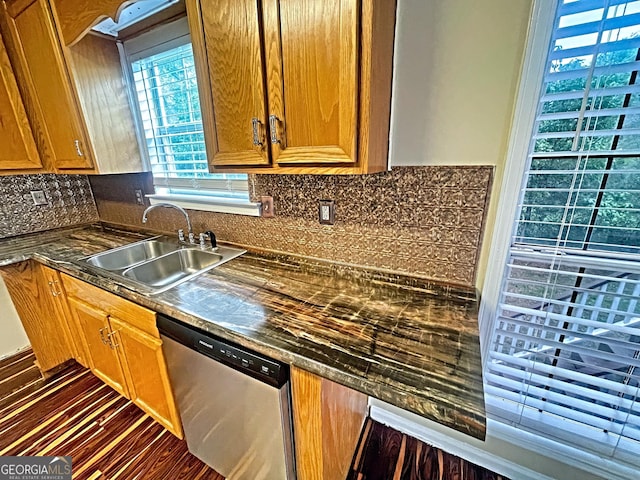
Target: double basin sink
(156,265)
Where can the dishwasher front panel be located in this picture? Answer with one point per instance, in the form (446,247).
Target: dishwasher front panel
(236,424)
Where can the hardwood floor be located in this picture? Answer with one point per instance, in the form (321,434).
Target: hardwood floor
(386,454)
(106,435)
(19,376)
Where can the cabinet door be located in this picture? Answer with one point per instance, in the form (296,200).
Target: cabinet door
(49,82)
(228,54)
(18,147)
(327,420)
(312,70)
(103,356)
(146,372)
(33,301)
(59,300)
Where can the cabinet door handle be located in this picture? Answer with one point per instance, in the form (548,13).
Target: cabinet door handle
(258,138)
(274,121)
(56,292)
(104,340)
(78,148)
(51,288)
(112,345)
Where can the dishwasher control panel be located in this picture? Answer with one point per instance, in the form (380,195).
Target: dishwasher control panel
(238,358)
(254,364)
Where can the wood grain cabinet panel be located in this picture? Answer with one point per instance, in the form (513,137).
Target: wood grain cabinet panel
(321,70)
(40,54)
(18,150)
(59,301)
(33,300)
(75,96)
(125,349)
(146,372)
(103,359)
(233,73)
(327,419)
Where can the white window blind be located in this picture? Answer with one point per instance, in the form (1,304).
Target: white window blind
(564,359)
(166,92)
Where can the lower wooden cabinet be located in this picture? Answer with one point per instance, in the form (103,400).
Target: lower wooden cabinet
(35,297)
(124,349)
(146,373)
(60,307)
(327,420)
(103,359)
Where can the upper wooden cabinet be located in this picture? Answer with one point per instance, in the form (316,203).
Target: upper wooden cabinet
(294,86)
(64,139)
(18,147)
(76,96)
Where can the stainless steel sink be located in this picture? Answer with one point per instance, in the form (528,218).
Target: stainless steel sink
(174,267)
(129,255)
(155,265)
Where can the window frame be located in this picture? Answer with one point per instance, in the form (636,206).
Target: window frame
(541,27)
(160,39)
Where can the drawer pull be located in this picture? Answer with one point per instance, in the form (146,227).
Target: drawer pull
(78,149)
(258,139)
(273,126)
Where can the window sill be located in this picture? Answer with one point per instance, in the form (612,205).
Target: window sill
(210,204)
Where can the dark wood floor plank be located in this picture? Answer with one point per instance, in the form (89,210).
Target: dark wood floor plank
(74,398)
(386,454)
(107,436)
(16,357)
(26,388)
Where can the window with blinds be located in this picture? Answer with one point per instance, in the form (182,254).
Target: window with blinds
(166,92)
(564,359)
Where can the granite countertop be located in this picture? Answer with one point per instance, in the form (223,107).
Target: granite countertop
(398,339)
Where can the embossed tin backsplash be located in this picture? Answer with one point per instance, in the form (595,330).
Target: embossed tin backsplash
(69,202)
(424,221)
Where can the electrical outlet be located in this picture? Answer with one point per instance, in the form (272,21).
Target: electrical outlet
(139,196)
(327,212)
(39,198)
(267,206)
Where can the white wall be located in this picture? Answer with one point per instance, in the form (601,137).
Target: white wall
(12,335)
(457,64)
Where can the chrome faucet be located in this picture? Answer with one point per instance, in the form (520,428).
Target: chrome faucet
(181,210)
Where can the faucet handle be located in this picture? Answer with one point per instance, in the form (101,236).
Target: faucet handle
(212,238)
(181,235)
(192,238)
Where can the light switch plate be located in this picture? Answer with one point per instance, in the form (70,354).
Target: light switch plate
(327,212)
(267,206)
(39,198)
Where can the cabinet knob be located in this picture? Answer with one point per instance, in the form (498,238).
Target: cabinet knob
(78,148)
(258,137)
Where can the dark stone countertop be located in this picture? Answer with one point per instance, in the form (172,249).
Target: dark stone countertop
(404,341)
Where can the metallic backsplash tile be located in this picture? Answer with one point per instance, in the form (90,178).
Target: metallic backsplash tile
(70,202)
(425,221)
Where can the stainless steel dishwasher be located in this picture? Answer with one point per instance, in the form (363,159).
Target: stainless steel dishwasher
(234,404)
